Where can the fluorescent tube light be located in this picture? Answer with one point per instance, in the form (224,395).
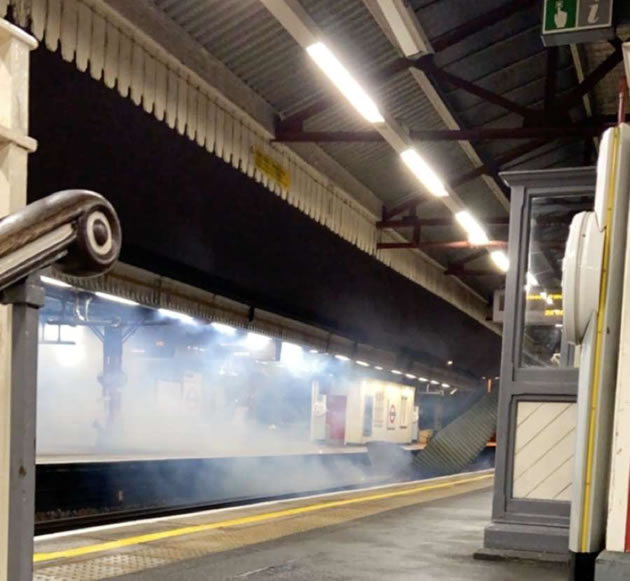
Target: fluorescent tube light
(501,260)
(175,315)
(115,299)
(424,173)
(54,282)
(344,81)
(476,233)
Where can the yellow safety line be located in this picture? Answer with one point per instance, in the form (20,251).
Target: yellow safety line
(257,518)
(598,346)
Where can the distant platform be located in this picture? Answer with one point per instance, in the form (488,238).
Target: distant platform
(69,456)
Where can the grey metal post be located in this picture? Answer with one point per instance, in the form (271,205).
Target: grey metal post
(26,297)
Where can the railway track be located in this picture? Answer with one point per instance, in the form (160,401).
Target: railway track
(68,523)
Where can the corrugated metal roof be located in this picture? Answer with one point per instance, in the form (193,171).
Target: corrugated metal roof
(507,58)
(253,45)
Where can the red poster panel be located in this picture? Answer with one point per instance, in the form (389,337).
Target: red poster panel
(336,417)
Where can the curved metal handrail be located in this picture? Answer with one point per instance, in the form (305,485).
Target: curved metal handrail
(78,230)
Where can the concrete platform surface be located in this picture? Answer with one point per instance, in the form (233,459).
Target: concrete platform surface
(424,530)
(433,541)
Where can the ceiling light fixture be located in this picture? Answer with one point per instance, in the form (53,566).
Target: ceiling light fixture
(362,363)
(175,315)
(115,299)
(396,372)
(342,357)
(344,81)
(501,260)
(54,282)
(532,280)
(424,173)
(223,328)
(256,341)
(476,234)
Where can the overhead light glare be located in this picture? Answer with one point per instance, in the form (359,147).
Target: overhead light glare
(454,391)
(362,363)
(410,375)
(344,81)
(446,385)
(476,234)
(54,282)
(256,341)
(449,363)
(175,315)
(424,173)
(378,368)
(423,379)
(532,280)
(501,260)
(313,351)
(396,372)
(433,382)
(342,357)
(223,328)
(292,356)
(115,299)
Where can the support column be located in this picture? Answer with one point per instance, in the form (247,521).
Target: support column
(26,298)
(113,380)
(14,148)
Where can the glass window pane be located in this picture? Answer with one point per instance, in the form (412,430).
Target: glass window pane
(543,343)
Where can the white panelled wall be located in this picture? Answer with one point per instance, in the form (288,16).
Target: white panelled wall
(544,450)
(392,412)
(105,45)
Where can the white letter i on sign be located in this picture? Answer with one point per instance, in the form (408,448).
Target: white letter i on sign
(593,15)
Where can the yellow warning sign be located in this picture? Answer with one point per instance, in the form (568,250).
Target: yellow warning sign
(272,169)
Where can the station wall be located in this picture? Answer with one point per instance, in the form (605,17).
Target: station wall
(392,413)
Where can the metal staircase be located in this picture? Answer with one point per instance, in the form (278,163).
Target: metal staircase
(458,445)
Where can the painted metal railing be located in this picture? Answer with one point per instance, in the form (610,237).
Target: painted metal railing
(79,232)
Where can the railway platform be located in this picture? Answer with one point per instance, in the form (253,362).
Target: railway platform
(418,530)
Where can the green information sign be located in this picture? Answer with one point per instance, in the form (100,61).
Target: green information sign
(560,15)
(569,21)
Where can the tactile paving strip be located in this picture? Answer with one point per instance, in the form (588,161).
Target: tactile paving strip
(144,556)
(98,568)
